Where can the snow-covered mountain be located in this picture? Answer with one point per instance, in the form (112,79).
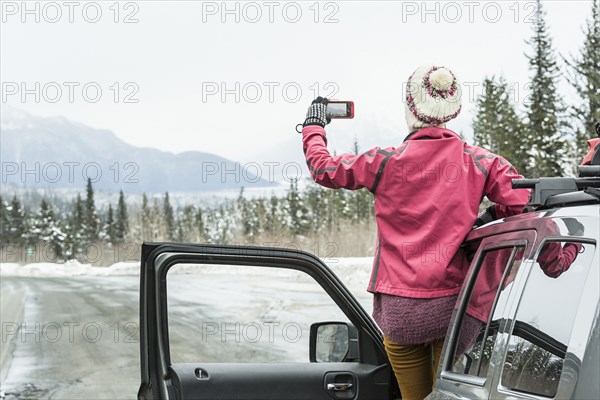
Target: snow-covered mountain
(54,153)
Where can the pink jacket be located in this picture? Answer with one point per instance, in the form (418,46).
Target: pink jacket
(427,195)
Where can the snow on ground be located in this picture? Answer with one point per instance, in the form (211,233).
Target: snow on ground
(353,271)
(70,268)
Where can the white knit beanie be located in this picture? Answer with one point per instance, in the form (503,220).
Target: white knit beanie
(433,96)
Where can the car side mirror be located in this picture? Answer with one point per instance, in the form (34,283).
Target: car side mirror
(333,342)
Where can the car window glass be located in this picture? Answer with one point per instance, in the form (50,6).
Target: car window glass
(243,314)
(494,280)
(545,316)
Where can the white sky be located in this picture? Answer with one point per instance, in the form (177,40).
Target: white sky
(170,54)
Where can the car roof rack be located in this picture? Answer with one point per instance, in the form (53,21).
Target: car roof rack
(562,191)
(589,171)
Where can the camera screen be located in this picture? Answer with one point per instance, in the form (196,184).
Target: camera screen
(337,109)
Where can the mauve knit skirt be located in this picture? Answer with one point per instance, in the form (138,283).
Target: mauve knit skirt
(406,320)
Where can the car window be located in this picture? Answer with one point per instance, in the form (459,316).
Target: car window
(545,316)
(239,314)
(494,277)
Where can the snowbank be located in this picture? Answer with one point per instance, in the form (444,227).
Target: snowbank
(354,271)
(70,268)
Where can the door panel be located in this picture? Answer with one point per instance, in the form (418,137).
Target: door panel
(369,378)
(278,381)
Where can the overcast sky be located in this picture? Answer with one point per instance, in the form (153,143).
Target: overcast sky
(174,59)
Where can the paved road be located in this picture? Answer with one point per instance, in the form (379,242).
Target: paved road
(78,338)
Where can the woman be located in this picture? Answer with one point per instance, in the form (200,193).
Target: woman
(427,194)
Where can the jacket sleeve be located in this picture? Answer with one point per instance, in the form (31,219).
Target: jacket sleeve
(556,259)
(498,188)
(347,171)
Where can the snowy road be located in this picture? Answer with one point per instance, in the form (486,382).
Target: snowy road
(77,336)
(72,342)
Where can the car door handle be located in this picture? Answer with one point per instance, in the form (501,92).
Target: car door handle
(339,387)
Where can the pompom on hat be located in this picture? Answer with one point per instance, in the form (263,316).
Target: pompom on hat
(433,97)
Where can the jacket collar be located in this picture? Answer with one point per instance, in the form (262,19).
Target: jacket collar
(432,132)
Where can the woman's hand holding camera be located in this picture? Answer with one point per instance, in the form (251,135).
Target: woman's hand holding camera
(317,113)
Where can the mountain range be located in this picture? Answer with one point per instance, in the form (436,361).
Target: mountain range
(56,153)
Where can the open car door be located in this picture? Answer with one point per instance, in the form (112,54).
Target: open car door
(208,358)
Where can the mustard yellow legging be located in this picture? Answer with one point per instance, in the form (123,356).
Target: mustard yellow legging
(415,367)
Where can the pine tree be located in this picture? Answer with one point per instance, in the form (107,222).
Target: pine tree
(122,219)
(498,128)
(76,230)
(17,223)
(227,224)
(250,223)
(180,233)
(336,208)
(219,224)
(92,222)
(260,209)
(297,213)
(253,221)
(243,212)
(145,219)
(46,230)
(211,226)
(545,110)
(4,221)
(274,216)
(186,228)
(584,76)
(109,229)
(156,223)
(199,221)
(315,195)
(168,218)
